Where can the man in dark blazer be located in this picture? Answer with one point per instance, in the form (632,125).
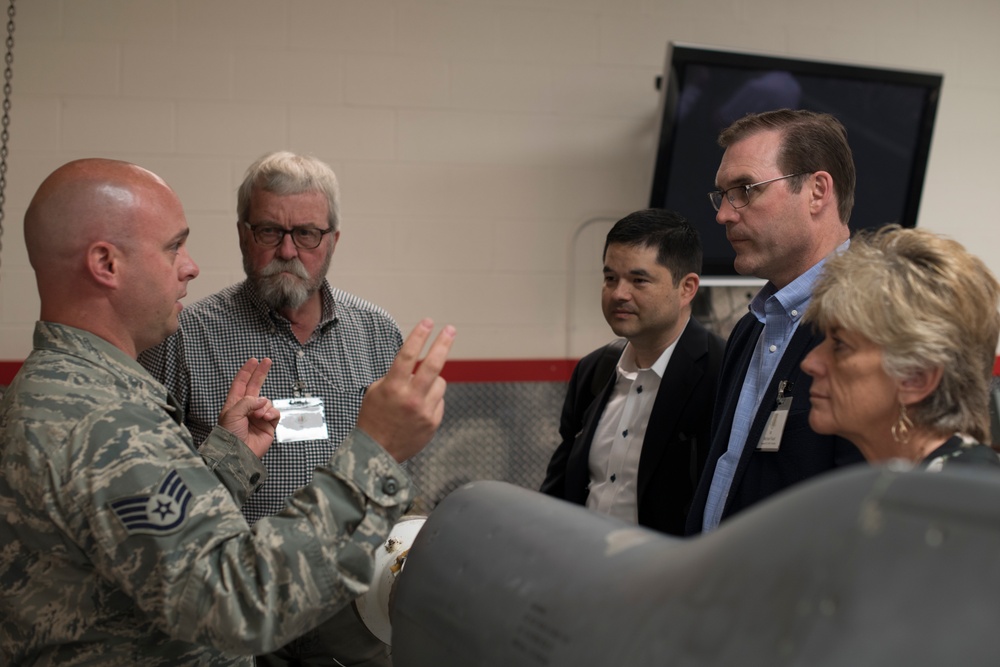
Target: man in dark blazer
(636,420)
(785,194)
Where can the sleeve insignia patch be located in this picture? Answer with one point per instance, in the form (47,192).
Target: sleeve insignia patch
(161,513)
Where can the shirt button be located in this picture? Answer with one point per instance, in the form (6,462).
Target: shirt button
(795,313)
(390,486)
(301,353)
(254,478)
(773,348)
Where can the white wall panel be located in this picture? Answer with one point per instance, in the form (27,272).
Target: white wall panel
(473,139)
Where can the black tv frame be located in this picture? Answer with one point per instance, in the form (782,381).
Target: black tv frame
(680,56)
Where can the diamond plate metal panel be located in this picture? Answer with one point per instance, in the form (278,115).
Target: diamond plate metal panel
(499,431)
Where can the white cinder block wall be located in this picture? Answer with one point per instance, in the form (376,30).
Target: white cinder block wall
(474,139)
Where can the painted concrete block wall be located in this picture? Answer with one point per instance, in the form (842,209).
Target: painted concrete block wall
(483,146)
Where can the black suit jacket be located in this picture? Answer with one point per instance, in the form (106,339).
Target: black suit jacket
(677,435)
(803,452)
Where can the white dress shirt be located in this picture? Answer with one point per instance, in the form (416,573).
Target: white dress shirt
(617,444)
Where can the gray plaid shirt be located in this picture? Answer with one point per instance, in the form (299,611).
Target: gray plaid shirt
(354,345)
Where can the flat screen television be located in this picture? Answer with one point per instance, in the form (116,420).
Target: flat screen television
(889,116)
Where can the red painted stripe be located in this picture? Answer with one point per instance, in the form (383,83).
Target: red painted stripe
(468,370)
(459,370)
(8,369)
(508,370)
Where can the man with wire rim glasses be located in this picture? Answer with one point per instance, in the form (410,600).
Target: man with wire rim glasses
(785,194)
(327,347)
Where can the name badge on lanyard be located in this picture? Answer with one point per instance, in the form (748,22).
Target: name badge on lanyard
(770,440)
(301,419)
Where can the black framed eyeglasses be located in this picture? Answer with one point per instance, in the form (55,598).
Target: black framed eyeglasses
(271,236)
(739,195)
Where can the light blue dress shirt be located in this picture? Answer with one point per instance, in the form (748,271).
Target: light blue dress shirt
(780,311)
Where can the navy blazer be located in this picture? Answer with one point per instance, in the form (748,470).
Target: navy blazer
(677,435)
(803,452)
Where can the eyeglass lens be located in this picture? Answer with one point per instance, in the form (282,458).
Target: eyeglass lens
(738,196)
(302,237)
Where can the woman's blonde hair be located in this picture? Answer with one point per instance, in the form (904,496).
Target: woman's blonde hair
(928,303)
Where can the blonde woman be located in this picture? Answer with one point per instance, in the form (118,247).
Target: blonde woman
(911,325)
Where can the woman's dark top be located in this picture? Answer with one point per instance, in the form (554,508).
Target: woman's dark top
(954,451)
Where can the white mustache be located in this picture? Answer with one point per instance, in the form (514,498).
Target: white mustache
(293,266)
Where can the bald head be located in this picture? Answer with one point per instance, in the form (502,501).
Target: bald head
(106,241)
(81,202)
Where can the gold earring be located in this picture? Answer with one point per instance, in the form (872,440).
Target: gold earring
(901,429)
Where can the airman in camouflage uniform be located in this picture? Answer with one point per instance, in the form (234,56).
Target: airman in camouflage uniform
(120,544)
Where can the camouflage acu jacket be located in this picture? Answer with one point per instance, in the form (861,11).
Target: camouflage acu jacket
(120,546)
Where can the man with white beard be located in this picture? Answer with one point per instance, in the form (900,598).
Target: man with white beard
(327,345)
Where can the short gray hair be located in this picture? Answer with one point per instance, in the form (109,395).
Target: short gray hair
(285,173)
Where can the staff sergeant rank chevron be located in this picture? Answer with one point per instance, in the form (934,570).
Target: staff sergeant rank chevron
(157,514)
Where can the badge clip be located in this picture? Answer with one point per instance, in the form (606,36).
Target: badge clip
(770,440)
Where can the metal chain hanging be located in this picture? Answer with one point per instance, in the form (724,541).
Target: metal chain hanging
(8,73)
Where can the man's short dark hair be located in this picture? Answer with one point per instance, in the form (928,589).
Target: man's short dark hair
(677,243)
(810,142)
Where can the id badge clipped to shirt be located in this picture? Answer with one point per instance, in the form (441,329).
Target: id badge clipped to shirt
(770,440)
(301,419)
